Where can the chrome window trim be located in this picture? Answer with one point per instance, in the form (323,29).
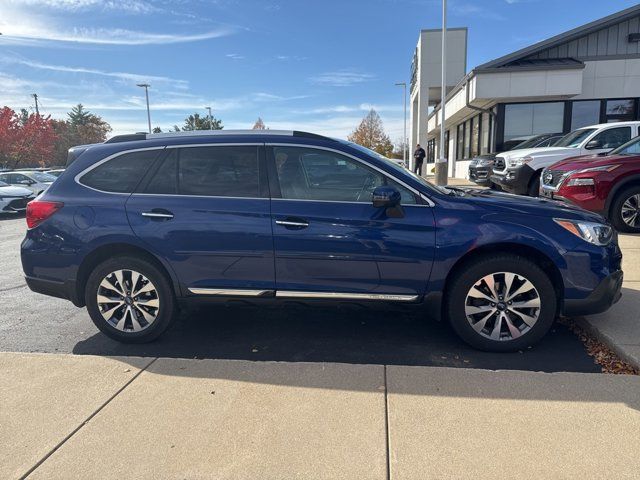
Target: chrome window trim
(160,147)
(105,160)
(347,296)
(238,292)
(194,196)
(430,202)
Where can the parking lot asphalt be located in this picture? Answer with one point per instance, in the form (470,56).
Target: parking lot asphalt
(343,333)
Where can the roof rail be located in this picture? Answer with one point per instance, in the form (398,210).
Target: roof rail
(131,137)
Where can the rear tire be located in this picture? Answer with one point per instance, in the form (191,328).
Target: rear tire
(621,213)
(524,309)
(129,299)
(534,186)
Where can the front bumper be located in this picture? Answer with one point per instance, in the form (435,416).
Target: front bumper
(601,298)
(514,180)
(480,175)
(14,204)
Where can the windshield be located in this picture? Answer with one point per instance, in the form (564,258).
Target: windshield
(632,147)
(532,142)
(392,164)
(575,138)
(42,177)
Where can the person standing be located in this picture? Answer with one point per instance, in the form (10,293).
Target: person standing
(418,158)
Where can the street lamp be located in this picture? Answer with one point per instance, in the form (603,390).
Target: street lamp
(210,118)
(442,164)
(404,134)
(146,92)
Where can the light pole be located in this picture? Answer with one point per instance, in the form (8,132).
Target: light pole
(210,118)
(404,133)
(442,164)
(146,92)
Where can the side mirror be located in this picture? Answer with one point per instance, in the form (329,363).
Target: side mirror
(386,197)
(593,145)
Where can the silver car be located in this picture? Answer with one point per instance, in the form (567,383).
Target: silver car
(14,199)
(37,182)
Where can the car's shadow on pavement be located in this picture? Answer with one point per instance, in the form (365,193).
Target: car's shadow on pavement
(338,333)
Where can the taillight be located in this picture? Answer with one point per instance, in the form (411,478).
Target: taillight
(39,210)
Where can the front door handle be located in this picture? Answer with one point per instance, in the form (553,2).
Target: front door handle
(159,214)
(293,223)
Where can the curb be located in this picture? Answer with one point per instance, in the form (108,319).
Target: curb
(618,349)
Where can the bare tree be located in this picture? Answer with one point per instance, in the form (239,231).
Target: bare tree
(259,125)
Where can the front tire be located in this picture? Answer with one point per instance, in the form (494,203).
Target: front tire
(501,303)
(129,299)
(625,210)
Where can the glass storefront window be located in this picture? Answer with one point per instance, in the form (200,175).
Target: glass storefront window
(620,110)
(585,113)
(467,139)
(528,119)
(485,133)
(475,135)
(460,142)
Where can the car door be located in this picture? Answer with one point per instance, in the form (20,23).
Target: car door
(330,241)
(607,140)
(206,210)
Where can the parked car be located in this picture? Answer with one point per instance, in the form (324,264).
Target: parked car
(14,199)
(136,228)
(609,184)
(519,171)
(481,167)
(35,181)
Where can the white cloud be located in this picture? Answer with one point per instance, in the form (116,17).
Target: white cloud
(129,6)
(235,56)
(20,34)
(343,78)
(125,76)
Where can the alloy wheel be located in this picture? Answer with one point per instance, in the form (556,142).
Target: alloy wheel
(502,306)
(128,300)
(630,211)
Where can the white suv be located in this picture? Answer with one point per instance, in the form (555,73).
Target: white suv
(518,171)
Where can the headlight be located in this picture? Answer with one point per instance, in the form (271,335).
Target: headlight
(580,182)
(595,233)
(603,168)
(516,162)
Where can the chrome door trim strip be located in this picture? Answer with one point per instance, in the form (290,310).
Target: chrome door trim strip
(347,296)
(384,172)
(235,292)
(288,223)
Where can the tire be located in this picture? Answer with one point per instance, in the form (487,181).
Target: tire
(119,313)
(629,197)
(460,305)
(534,186)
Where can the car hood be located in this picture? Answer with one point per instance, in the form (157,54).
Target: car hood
(500,202)
(539,152)
(588,161)
(11,191)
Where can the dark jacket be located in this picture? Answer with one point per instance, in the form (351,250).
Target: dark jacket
(419,154)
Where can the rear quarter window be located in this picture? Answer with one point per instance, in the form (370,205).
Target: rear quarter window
(120,174)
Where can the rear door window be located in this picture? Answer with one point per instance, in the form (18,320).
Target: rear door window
(225,171)
(120,174)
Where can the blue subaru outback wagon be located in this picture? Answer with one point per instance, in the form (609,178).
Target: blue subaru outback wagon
(141,224)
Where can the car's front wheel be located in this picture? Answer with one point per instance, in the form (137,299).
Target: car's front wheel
(625,210)
(501,303)
(129,299)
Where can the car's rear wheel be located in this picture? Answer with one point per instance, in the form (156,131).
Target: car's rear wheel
(501,303)
(625,210)
(129,299)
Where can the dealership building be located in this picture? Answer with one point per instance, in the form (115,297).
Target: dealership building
(588,75)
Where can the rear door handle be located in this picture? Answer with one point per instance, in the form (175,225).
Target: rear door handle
(158,213)
(293,223)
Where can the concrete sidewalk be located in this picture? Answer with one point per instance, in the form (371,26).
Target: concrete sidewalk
(619,327)
(64,416)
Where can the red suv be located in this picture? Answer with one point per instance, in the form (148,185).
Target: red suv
(607,184)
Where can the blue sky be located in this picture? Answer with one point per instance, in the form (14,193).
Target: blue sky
(311,65)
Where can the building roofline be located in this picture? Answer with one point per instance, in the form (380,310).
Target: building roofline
(439,29)
(564,37)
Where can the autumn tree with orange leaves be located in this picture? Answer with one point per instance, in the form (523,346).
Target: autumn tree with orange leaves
(25,140)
